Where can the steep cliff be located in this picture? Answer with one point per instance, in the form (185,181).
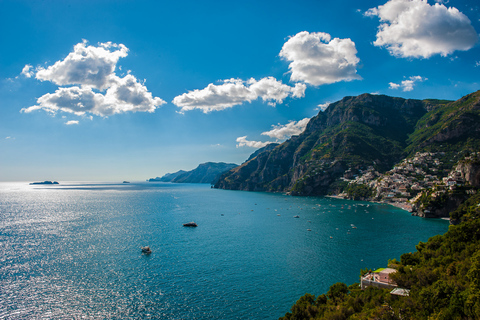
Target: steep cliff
(448,127)
(470,172)
(352,133)
(355,133)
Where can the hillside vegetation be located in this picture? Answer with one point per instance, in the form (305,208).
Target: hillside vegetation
(355,133)
(443,276)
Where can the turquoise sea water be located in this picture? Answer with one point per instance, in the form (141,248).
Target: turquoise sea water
(73,250)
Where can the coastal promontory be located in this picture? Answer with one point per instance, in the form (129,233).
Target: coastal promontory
(356,135)
(208,172)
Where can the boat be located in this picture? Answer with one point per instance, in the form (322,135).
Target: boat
(146,250)
(296,216)
(190,224)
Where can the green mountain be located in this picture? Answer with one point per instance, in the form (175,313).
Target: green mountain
(356,133)
(208,172)
(448,127)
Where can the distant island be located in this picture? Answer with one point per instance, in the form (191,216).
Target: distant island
(45,182)
(208,172)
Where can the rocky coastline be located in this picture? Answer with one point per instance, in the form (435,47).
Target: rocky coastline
(418,155)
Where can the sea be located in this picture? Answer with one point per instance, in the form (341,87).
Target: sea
(73,250)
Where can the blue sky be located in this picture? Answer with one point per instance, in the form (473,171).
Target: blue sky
(128,90)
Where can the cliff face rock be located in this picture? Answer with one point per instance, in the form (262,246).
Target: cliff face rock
(353,132)
(268,147)
(443,211)
(357,132)
(470,172)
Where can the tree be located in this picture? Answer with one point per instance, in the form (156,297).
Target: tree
(337,291)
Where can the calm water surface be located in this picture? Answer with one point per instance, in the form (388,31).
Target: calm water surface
(73,250)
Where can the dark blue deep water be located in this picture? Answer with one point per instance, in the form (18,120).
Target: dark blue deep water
(73,250)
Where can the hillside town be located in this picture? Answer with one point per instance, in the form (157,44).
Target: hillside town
(424,174)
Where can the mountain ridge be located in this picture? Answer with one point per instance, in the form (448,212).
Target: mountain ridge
(354,133)
(206,172)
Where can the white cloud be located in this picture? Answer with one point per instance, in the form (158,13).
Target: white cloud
(243,142)
(72,100)
(70,122)
(316,59)
(127,95)
(97,89)
(27,71)
(413,28)
(394,85)
(477,64)
(9,138)
(292,128)
(86,65)
(269,89)
(407,85)
(323,106)
(234,92)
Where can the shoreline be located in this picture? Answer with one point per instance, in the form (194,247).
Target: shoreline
(336,197)
(401,205)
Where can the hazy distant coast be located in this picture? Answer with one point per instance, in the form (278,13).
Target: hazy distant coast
(208,172)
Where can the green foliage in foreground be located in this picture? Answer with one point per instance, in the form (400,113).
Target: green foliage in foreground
(443,276)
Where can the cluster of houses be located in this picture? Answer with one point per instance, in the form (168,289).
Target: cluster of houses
(405,182)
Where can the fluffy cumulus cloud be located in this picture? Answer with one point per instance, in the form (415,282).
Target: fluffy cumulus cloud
(407,85)
(316,58)
(93,86)
(234,92)
(126,95)
(292,128)
(413,28)
(71,122)
(86,65)
(243,142)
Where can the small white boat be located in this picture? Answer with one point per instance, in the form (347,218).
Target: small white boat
(146,250)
